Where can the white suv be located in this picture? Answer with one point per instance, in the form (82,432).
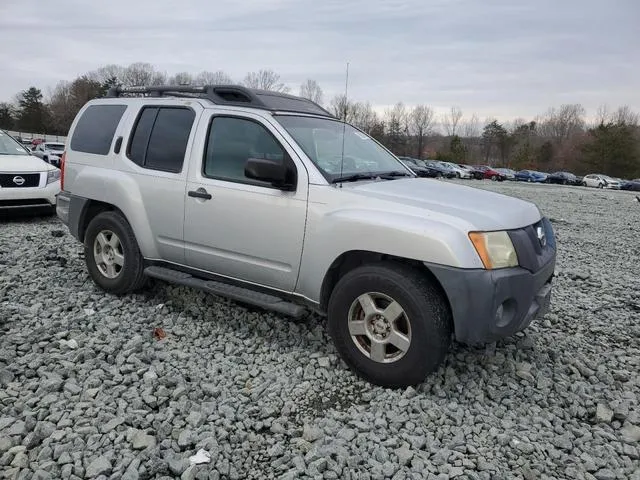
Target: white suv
(26,182)
(268,199)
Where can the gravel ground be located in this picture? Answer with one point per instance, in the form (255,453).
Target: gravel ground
(88,391)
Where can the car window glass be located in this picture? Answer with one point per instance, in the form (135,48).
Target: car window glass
(140,137)
(231,142)
(95,129)
(160,138)
(169,137)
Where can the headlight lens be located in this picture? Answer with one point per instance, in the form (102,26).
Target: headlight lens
(495,249)
(53,175)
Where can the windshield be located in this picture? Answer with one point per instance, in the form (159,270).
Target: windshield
(9,146)
(322,140)
(54,146)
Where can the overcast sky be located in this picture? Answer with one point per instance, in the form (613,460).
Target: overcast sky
(500,58)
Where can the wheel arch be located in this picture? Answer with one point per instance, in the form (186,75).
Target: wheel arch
(352,259)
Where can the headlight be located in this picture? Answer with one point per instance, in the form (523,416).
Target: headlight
(495,249)
(53,175)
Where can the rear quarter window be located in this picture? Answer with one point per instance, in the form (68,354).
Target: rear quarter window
(95,129)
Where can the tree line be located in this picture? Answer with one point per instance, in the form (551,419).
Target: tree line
(559,139)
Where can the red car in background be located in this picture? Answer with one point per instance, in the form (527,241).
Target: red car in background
(490,173)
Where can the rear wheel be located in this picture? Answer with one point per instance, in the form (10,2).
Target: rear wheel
(600,185)
(390,324)
(494,178)
(112,255)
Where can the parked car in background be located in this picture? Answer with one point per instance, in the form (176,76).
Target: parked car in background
(418,167)
(458,171)
(530,176)
(563,178)
(598,180)
(50,152)
(508,173)
(441,169)
(631,185)
(26,182)
(490,173)
(475,173)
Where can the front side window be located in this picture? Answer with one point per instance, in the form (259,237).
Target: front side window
(160,137)
(323,139)
(231,142)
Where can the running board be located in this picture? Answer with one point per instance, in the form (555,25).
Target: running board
(233,292)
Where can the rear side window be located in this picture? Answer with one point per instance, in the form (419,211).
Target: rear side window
(95,129)
(160,137)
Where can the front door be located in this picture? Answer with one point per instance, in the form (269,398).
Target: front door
(235,226)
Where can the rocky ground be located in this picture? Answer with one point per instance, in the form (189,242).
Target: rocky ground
(88,391)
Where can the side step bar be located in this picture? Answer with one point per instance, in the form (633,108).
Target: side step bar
(233,292)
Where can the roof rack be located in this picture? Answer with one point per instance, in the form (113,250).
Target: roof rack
(227,95)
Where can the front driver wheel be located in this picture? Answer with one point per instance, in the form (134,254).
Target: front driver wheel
(389,323)
(112,255)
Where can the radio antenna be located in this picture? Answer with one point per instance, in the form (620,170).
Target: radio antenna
(344,120)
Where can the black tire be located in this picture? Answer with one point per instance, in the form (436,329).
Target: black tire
(131,276)
(426,310)
(439,175)
(494,177)
(458,176)
(584,184)
(600,185)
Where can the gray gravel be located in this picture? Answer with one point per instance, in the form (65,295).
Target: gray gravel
(87,391)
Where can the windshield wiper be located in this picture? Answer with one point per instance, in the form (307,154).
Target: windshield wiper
(354,177)
(394,174)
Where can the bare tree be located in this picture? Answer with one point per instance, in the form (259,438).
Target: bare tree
(181,78)
(471,127)
(451,120)
(311,90)
(342,108)
(142,74)
(602,115)
(364,117)
(560,123)
(420,122)
(625,116)
(212,78)
(265,80)
(397,126)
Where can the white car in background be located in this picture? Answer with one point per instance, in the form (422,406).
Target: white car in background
(50,152)
(26,182)
(459,171)
(597,180)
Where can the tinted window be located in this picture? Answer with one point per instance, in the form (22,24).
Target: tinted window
(95,129)
(231,142)
(160,138)
(140,138)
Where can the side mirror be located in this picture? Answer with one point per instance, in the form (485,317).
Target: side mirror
(269,171)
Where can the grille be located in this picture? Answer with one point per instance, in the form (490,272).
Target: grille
(19,180)
(532,254)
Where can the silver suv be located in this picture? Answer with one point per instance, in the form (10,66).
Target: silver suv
(269,200)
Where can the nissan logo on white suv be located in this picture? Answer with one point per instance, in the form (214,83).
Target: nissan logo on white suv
(18,180)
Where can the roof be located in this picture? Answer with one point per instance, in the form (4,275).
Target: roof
(228,95)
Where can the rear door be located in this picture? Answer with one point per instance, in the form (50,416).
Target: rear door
(247,229)
(154,154)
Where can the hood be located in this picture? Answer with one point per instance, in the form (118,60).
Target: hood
(483,209)
(23,164)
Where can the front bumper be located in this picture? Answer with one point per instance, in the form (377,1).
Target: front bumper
(28,198)
(491,304)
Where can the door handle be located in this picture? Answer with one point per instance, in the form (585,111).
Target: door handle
(200,193)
